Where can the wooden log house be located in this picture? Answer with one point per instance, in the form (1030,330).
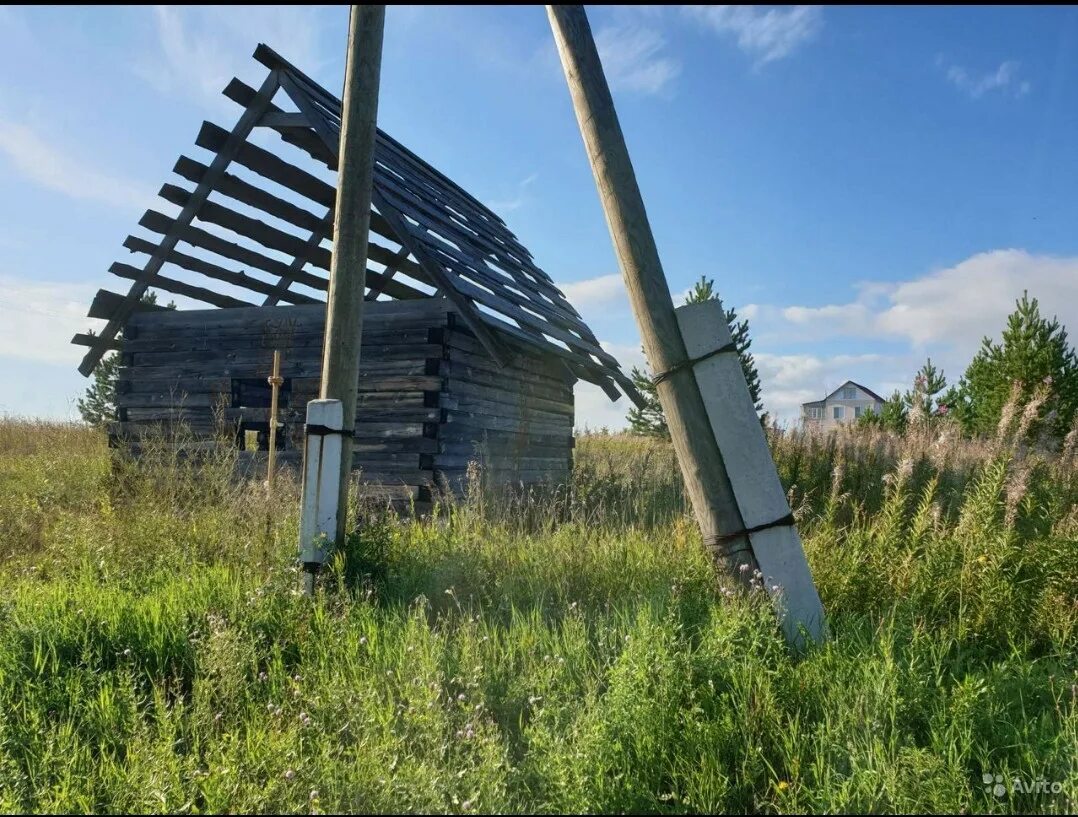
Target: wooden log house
(469,350)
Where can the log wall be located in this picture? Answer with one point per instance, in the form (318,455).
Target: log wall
(430,397)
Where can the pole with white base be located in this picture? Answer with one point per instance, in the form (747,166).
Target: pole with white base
(321,485)
(755,482)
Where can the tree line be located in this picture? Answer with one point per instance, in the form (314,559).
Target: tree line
(1032,364)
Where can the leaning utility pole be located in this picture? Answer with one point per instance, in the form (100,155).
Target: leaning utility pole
(351,225)
(699,448)
(697,452)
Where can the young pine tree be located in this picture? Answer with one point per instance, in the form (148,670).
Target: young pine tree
(650,419)
(1034,352)
(98,405)
(922,400)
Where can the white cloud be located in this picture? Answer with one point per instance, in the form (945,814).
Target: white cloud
(764,34)
(633,59)
(1003,79)
(953,307)
(48,165)
(199,49)
(604,292)
(39,318)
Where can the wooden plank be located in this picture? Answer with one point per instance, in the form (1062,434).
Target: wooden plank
(213,137)
(249,227)
(283,119)
(178,287)
(270,237)
(235,139)
(189,262)
(106,303)
(86,339)
(482,422)
(269,166)
(160,223)
(318,232)
(439,277)
(245,192)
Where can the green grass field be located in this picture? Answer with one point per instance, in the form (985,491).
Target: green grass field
(551,653)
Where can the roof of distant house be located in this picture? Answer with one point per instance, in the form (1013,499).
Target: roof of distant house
(865,389)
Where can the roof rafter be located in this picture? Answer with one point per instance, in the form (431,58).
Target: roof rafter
(447,239)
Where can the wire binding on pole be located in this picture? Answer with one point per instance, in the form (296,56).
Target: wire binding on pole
(688,364)
(325,431)
(722,538)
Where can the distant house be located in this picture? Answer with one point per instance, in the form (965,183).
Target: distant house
(844,405)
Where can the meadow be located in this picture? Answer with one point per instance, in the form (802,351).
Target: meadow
(570,651)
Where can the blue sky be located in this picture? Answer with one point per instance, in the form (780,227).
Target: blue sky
(869,186)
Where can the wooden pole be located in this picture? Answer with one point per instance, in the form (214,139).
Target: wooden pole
(705,475)
(275,381)
(344,318)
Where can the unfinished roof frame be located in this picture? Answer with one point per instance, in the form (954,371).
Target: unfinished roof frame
(448,240)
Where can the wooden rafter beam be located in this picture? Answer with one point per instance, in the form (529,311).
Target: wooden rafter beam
(430,265)
(438,277)
(376,289)
(283,119)
(235,140)
(315,239)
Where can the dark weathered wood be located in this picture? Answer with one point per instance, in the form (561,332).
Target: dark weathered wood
(160,223)
(86,339)
(106,303)
(283,119)
(178,287)
(242,191)
(442,281)
(318,232)
(239,134)
(238,279)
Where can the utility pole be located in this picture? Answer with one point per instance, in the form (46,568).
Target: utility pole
(697,452)
(743,514)
(348,271)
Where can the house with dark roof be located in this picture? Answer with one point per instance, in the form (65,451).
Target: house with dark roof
(469,349)
(844,405)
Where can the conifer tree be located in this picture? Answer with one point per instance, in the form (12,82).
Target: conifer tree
(650,420)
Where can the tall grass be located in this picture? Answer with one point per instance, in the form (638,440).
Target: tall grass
(562,651)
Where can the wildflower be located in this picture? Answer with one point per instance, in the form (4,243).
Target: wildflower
(782,785)
(314,794)
(289,775)
(460,697)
